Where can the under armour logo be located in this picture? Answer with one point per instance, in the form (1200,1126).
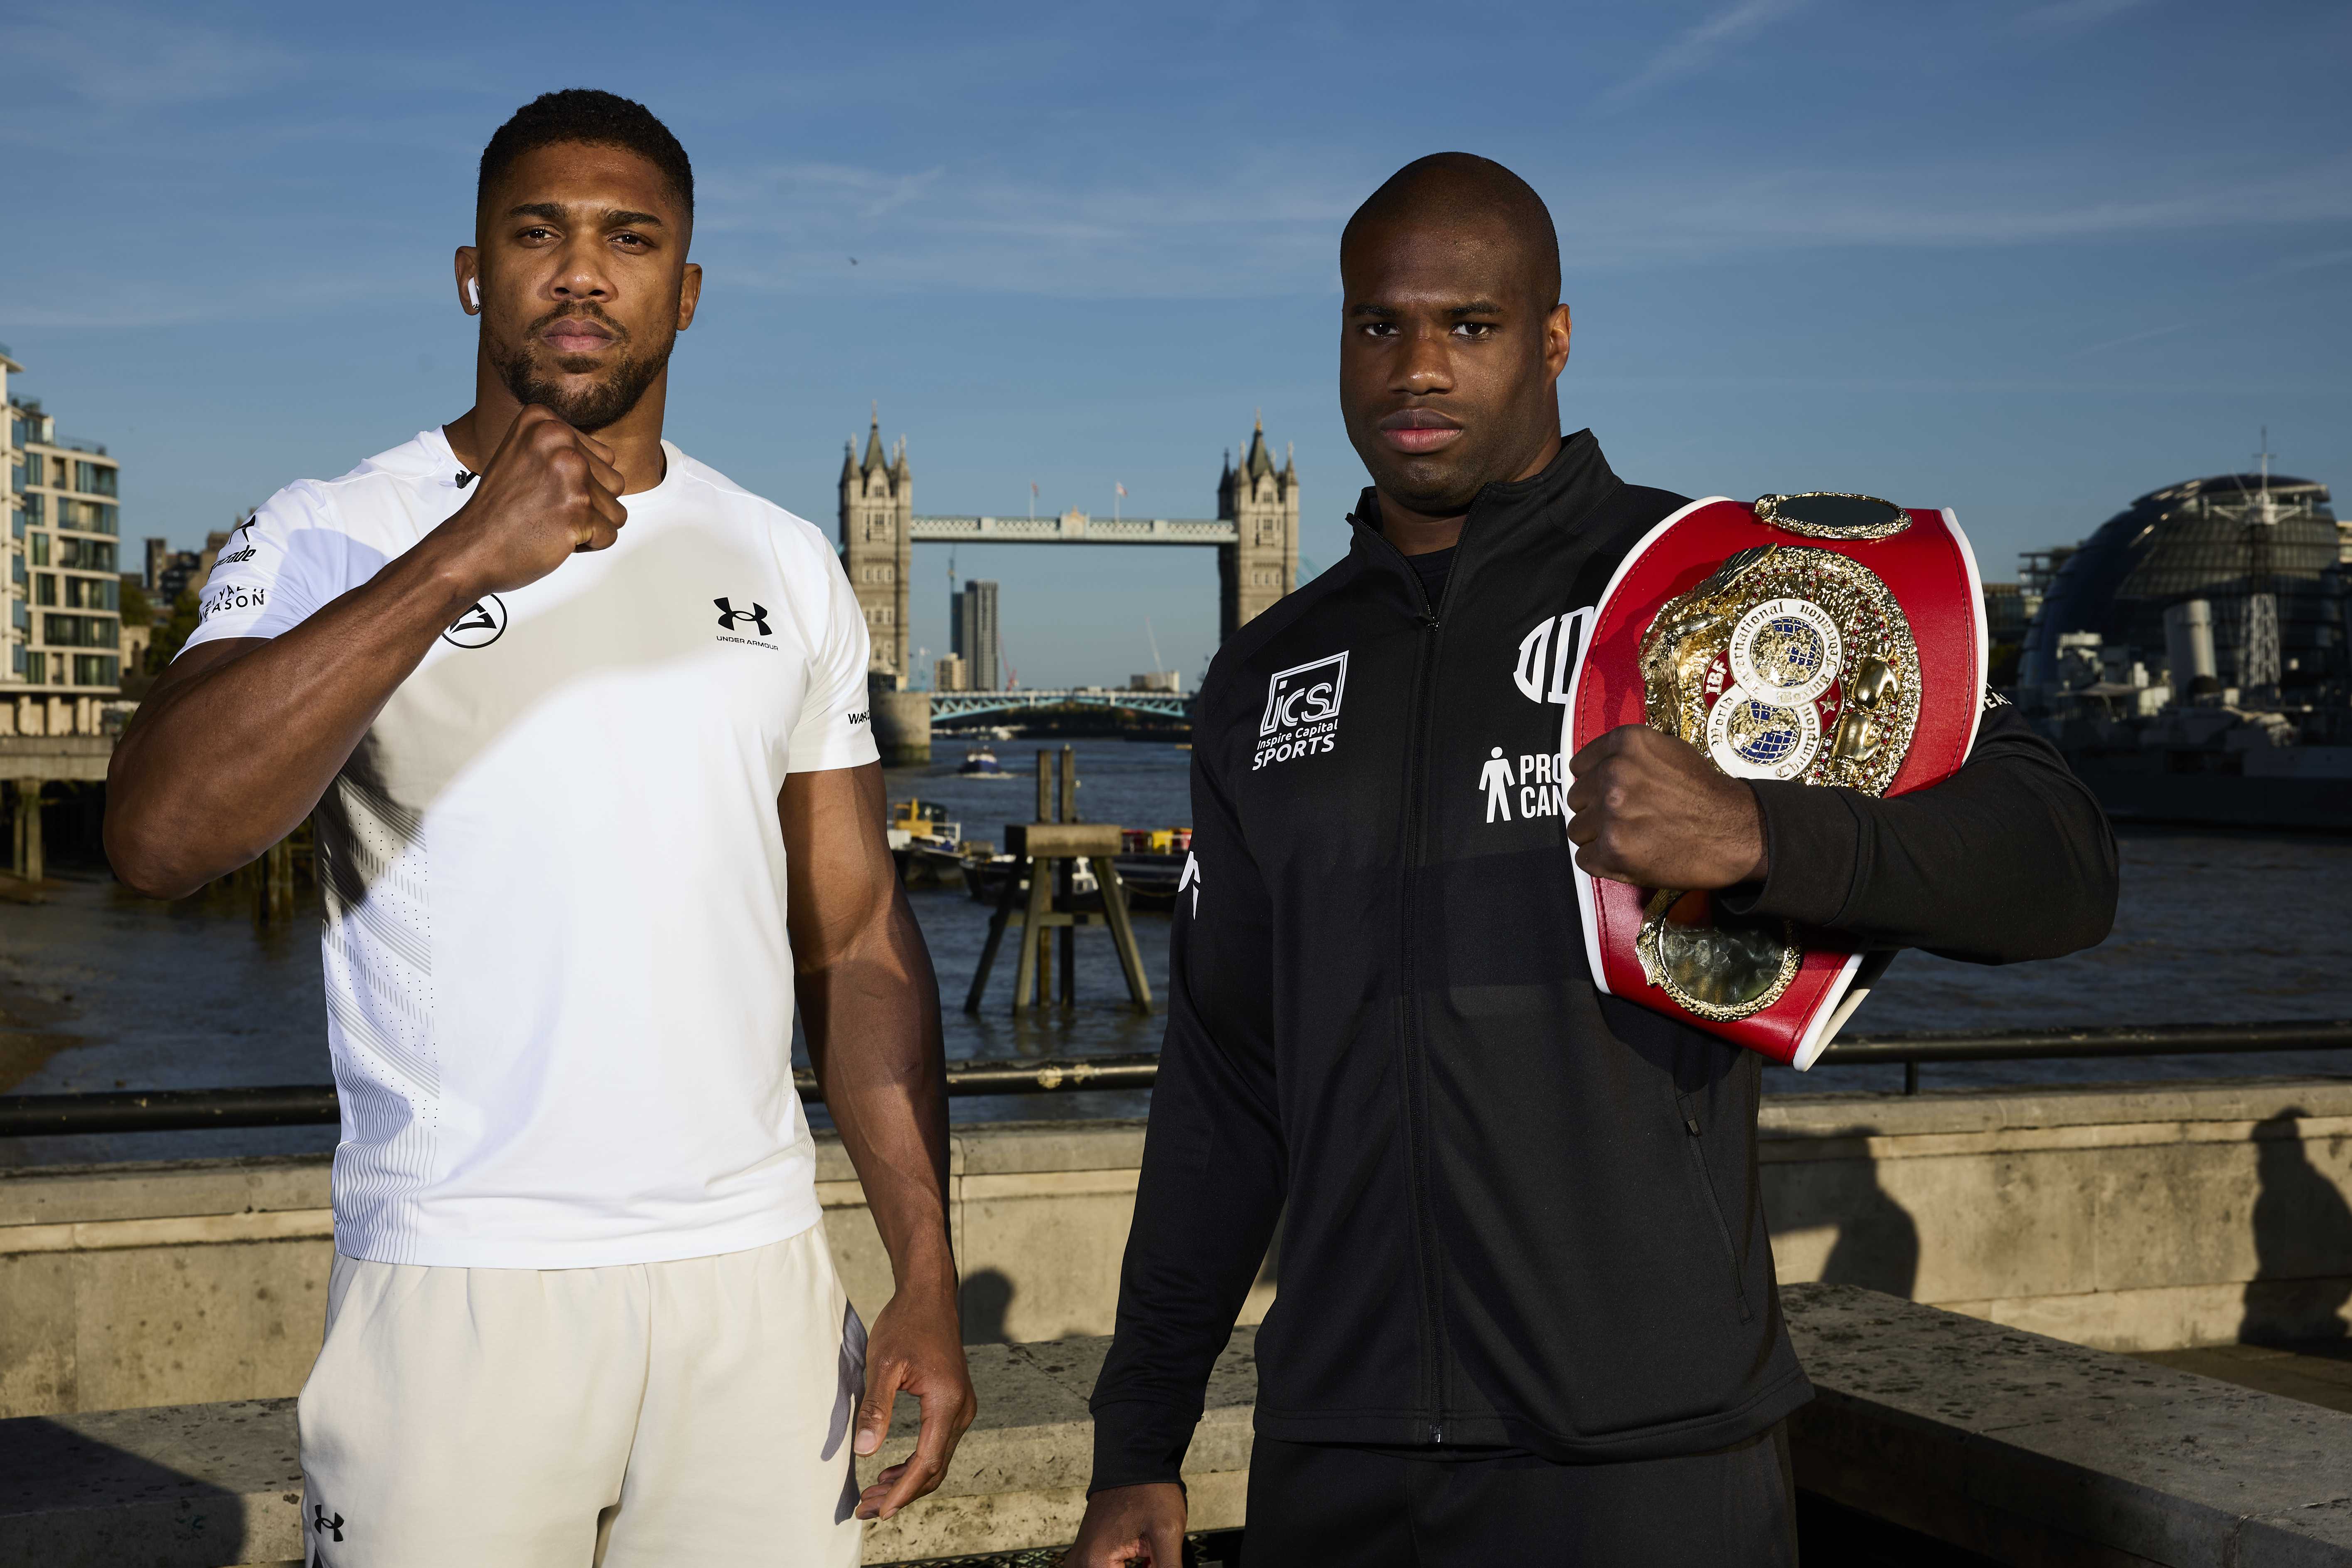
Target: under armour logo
(730,617)
(325,1525)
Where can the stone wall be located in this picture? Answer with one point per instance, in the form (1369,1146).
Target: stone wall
(2126,1218)
(2008,1445)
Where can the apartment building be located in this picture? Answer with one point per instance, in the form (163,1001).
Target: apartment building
(64,627)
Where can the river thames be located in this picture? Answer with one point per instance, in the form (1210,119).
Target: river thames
(100,990)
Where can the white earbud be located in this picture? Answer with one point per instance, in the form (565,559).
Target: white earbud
(474,292)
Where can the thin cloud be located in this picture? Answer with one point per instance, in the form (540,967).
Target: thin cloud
(1701,46)
(985,231)
(122,61)
(2128,337)
(1257,235)
(2072,14)
(2307,263)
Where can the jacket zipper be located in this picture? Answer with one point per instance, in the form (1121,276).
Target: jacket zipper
(1415,1078)
(1714,1204)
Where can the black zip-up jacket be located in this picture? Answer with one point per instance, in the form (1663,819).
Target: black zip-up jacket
(1516,1213)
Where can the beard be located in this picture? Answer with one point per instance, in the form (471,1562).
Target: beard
(532,375)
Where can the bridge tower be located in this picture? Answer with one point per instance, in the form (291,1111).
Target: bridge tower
(878,528)
(1262,502)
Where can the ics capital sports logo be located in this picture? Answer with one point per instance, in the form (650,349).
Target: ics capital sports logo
(1302,710)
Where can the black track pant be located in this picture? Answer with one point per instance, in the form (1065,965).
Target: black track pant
(1361,1508)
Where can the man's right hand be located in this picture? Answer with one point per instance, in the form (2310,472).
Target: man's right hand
(549,492)
(1131,1527)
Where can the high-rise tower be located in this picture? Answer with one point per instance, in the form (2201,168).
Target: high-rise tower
(972,624)
(1262,502)
(877,525)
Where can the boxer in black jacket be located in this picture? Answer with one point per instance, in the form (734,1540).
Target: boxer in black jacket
(1527,1310)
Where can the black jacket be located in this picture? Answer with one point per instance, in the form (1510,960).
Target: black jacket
(1515,1212)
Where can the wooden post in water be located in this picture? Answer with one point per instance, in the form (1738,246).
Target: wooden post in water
(29,858)
(1040,963)
(1047,853)
(1065,880)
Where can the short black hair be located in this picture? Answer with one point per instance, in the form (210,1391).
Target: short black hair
(598,118)
(1462,188)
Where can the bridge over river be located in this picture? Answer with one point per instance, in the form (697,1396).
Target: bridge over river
(947,705)
(1254,535)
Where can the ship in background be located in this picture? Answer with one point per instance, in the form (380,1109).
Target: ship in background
(2190,657)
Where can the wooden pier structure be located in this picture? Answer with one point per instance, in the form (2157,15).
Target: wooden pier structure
(1046,855)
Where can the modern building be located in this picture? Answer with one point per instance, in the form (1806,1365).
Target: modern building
(2008,610)
(170,573)
(15,615)
(950,674)
(2258,552)
(64,627)
(974,634)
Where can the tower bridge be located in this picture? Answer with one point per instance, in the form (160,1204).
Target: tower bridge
(1255,534)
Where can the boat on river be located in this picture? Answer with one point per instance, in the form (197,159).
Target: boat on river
(984,877)
(926,845)
(980,762)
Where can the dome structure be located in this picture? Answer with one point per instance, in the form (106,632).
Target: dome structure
(2221,540)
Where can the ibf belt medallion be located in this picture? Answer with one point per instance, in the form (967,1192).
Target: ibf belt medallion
(1788,663)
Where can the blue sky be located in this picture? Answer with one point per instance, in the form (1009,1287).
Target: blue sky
(2024,260)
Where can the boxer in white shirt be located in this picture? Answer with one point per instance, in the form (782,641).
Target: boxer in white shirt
(584,728)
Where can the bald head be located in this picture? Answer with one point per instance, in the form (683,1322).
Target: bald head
(1453,340)
(1474,199)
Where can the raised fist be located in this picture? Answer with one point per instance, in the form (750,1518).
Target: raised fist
(549,492)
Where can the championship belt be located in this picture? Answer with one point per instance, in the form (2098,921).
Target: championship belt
(1824,639)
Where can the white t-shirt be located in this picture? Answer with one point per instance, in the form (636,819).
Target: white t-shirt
(558,995)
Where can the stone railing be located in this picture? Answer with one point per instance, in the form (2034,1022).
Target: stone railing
(2128,1218)
(63,718)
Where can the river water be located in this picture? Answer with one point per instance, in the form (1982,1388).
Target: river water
(99,990)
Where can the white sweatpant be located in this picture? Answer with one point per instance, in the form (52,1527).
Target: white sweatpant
(687,1413)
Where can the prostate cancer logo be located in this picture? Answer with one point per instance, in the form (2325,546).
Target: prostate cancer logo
(1302,710)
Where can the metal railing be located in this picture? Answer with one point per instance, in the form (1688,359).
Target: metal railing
(306,1105)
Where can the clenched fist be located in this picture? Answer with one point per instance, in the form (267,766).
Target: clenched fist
(1131,1527)
(549,491)
(1646,809)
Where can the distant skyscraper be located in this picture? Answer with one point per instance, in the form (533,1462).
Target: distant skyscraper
(972,617)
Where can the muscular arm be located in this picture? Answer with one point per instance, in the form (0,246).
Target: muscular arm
(2009,858)
(871,1008)
(239,738)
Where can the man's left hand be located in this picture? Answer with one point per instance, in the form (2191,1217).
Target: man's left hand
(1646,809)
(916,1347)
